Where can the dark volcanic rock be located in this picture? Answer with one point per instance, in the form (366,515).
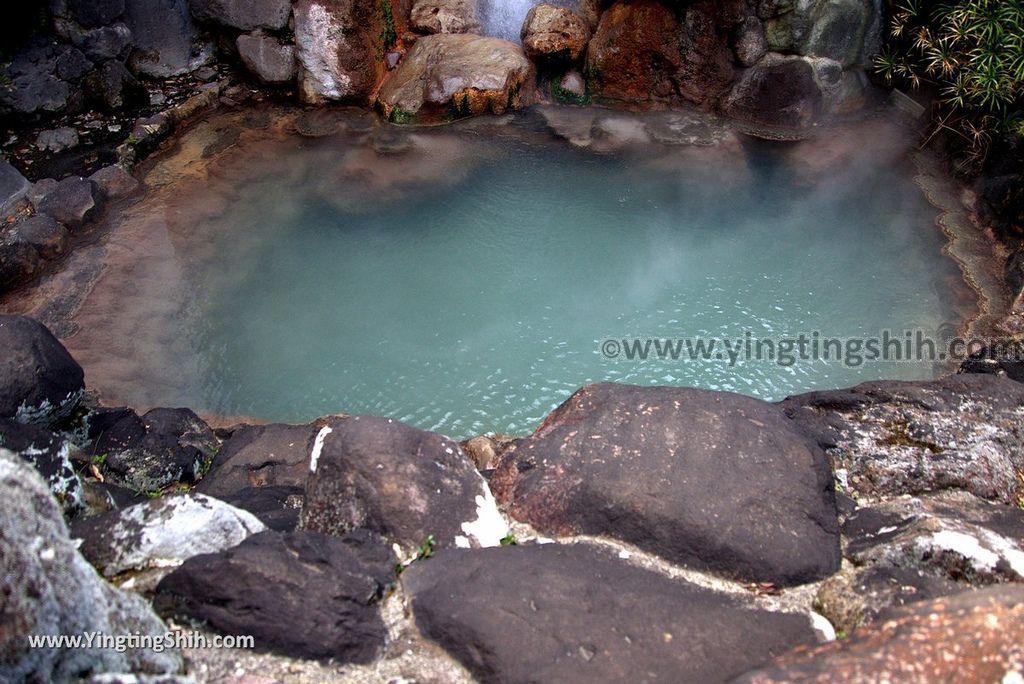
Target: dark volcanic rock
(114,182)
(261,456)
(710,479)
(890,438)
(73,202)
(19,261)
(300,594)
(13,188)
(109,42)
(48,588)
(39,381)
(161,448)
(166,40)
(403,483)
(976,636)
(270,60)
(244,15)
(276,506)
(575,613)
(50,455)
(95,13)
(779,91)
(113,87)
(44,234)
(31,86)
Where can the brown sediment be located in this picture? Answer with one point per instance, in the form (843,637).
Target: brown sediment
(974,248)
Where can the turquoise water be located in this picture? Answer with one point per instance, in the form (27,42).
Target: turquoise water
(477,297)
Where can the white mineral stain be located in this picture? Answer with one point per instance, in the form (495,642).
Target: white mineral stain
(318,447)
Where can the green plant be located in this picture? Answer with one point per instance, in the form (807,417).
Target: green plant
(99,459)
(389,34)
(132,139)
(971,52)
(509,540)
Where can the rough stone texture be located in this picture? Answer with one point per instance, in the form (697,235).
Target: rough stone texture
(976,636)
(649,51)
(839,30)
(114,182)
(270,60)
(573,84)
(57,139)
(749,42)
(113,87)
(444,16)
(32,86)
(244,15)
(50,455)
(261,456)
(39,381)
(101,44)
(166,40)
(554,33)
(73,202)
(161,448)
(48,588)
(457,75)
(783,91)
(19,262)
(94,13)
(571,613)
(276,506)
(162,533)
(340,49)
(891,438)
(44,234)
(403,483)
(301,594)
(14,188)
(645,465)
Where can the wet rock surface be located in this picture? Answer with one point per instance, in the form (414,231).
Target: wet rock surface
(893,438)
(48,588)
(570,613)
(39,381)
(974,636)
(645,465)
(403,483)
(73,201)
(162,533)
(302,594)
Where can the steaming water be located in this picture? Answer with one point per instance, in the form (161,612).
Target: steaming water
(479,299)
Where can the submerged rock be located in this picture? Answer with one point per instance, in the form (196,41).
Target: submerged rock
(301,594)
(156,450)
(44,234)
(444,16)
(971,637)
(451,76)
(576,613)
(403,483)
(162,533)
(890,438)
(714,480)
(554,33)
(39,381)
(48,588)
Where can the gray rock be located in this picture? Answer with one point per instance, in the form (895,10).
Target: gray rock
(166,41)
(244,15)
(444,16)
(31,86)
(50,589)
(403,483)
(14,188)
(301,594)
(779,91)
(72,64)
(101,44)
(270,60)
(57,139)
(839,30)
(276,506)
(156,450)
(162,533)
(645,465)
(749,42)
(114,182)
(73,201)
(39,190)
(575,613)
(44,234)
(113,87)
(95,13)
(39,381)
(50,455)
(261,456)
(893,438)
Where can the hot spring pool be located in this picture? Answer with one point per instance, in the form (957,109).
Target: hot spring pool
(464,279)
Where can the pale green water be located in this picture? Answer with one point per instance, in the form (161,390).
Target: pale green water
(480,305)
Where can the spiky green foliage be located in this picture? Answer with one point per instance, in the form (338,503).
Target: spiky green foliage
(972,53)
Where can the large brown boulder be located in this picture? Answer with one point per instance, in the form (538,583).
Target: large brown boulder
(647,51)
(340,47)
(444,16)
(456,75)
(713,480)
(551,32)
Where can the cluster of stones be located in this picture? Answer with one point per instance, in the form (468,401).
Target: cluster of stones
(686,534)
